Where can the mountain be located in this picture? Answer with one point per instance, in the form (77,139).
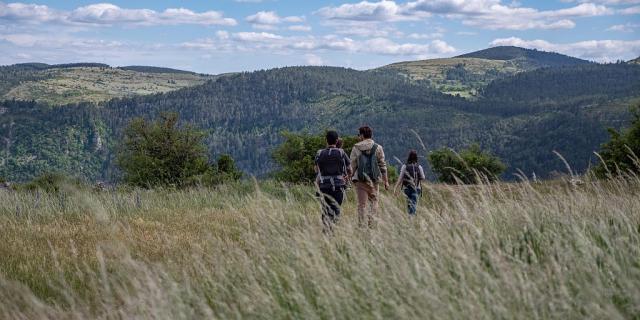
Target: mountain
(527,58)
(89,82)
(635,61)
(464,75)
(521,118)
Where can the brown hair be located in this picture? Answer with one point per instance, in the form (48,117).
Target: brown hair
(413,157)
(366,132)
(339,143)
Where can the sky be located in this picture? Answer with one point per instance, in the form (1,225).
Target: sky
(218,36)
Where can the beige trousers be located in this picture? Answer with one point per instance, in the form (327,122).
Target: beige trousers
(367,194)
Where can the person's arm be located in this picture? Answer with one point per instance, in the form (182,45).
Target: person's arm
(422,177)
(403,169)
(354,161)
(347,164)
(382,164)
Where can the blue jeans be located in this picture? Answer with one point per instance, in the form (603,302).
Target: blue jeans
(412,199)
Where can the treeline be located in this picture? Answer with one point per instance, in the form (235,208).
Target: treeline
(243,115)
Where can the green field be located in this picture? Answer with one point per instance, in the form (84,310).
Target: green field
(550,250)
(96,84)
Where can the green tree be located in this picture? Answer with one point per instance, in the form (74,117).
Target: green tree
(225,170)
(471,165)
(620,154)
(160,153)
(297,153)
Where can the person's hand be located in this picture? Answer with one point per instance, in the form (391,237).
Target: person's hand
(386,185)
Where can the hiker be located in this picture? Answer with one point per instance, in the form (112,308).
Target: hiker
(332,166)
(411,175)
(369,168)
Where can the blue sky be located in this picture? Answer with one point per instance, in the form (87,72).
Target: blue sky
(220,36)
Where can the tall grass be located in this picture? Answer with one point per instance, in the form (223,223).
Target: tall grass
(525,250)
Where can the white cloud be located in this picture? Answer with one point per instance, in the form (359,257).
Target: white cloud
(366,11)
(628,27)
(434,35)
(488,14)
(630,10)
(109,14)
(255,36)
(313,60)
(28,13)
(597,50)
(300,28)
(267,20)
(254,41)
(264,17)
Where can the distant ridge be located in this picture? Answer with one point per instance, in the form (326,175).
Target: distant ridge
(149,69)
(44,66)
(636,60)
(531,56)
(145,69)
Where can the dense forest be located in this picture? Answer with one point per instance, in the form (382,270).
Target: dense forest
(533,58)
(521,118)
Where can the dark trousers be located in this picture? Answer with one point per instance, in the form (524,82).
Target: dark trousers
(412,199)
(331,201)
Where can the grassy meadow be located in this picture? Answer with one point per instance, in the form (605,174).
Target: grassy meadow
(95,84)
(255,250)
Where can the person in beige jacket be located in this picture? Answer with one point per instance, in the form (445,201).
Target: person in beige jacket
(367,190)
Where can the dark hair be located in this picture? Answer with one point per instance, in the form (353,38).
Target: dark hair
(339,143)
(332,137)
(366,132)
(413,157)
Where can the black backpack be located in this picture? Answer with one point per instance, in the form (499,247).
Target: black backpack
(411,175)
(368,170)
(331,162)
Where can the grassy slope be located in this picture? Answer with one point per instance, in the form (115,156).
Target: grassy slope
(435,71)
(509,251)
(72,85)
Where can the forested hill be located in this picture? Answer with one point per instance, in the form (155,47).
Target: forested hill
(530,57)
(468,74)
(523,118)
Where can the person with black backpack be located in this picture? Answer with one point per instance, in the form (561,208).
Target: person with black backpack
(332,166)
(370,168)
(411,174)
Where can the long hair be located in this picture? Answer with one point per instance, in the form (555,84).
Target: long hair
(413,157)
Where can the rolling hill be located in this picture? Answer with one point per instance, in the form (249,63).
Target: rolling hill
(522,118)
(464,75)
(89,82)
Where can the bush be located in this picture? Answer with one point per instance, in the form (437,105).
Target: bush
(51,182)
(620,154)
(297,153)
(471,165)
(160,153)
(225,170)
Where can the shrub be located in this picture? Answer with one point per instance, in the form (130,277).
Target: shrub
(620,154)
(297,153)
(160,153)
(471,165)
(225,170)
(50,182)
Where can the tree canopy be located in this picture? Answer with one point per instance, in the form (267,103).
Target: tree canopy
(621,154)
(471,165)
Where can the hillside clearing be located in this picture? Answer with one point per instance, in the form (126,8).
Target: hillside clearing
(95,84)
